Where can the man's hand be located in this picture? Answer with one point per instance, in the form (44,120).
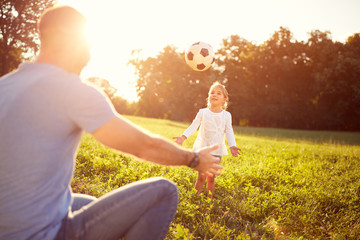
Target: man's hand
(122,135)
(209,164)
(235,151)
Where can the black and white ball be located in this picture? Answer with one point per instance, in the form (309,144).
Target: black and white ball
(200,56)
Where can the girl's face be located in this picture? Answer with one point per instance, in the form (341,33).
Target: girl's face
(217,97)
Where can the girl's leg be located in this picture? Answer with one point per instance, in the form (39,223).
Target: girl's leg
(210,185)
(200,183)
(140,210)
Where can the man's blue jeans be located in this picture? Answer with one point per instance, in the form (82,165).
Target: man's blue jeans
(140,210)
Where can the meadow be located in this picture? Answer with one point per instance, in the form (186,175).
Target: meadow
(287,184)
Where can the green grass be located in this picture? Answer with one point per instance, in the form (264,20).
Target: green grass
(286,184)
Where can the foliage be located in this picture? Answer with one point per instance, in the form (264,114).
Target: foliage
(121,105)
(287,184)
(268,80)
(103,85)
(11,58)
(18,19)
(162,82)
(279,83)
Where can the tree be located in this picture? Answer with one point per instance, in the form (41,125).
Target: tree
(336,68)
(269,83)
(104,85)
(289,85)
(18,30)
(120,104)
(236,58)
(12,58)
(168,88)
(280,83)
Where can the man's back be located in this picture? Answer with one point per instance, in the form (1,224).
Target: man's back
(40,130)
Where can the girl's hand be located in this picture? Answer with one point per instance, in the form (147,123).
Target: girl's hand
(180,140)
(235,151)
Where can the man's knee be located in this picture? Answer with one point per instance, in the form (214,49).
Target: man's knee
(169,186)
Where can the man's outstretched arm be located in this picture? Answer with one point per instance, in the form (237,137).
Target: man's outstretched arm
(122,135)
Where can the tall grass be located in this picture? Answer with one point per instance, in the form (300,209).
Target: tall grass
(286,184)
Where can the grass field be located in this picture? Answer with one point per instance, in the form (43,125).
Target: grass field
(286,184)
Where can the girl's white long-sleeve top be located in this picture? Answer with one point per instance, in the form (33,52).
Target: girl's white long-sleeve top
(213,128)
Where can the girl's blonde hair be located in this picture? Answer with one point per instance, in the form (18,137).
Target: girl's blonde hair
(223,90)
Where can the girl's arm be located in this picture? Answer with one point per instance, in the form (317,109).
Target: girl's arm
(190,130)
(235,151)
(194,125)
(180,140)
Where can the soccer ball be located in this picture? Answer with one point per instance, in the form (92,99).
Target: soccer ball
(200,56)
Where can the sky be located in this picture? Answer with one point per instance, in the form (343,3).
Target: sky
(116,27)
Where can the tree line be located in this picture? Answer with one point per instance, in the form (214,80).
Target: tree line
(281,83)
(18,31)
(285,83)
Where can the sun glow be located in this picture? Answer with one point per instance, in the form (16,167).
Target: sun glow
(118,27)
(108,58)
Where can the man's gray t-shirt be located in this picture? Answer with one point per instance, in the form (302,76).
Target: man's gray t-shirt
(43,112)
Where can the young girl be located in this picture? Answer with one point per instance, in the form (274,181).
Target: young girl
(214,123)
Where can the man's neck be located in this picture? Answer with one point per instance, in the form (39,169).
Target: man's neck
(57,61)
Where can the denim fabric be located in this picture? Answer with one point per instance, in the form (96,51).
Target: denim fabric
(140,210)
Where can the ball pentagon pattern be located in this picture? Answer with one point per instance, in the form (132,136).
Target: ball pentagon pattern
(200,56)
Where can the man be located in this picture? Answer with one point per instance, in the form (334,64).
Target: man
(44,107)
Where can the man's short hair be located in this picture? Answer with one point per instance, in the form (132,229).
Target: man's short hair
(59,20)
